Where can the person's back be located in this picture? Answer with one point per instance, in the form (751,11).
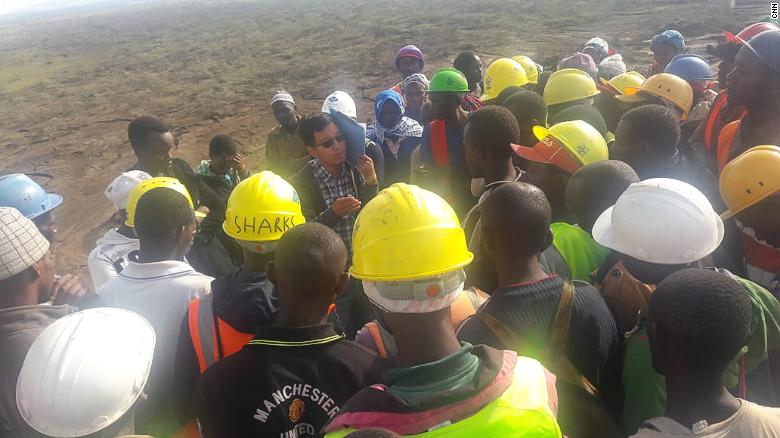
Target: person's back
(591,190)
(540,315)
(221,323)
(645,387)
(296,373)
(656,228)
(441,387)
(698,320)
(158,285)
(750,420)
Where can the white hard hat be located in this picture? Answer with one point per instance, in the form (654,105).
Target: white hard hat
(661,220)
(119,189)
(85,371)
(342,102)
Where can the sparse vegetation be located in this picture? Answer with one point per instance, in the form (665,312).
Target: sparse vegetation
(70,85)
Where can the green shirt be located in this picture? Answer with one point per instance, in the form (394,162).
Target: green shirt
(285,152)
(577,247)
(645,390)
(420,381)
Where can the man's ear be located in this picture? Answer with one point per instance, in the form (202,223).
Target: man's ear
(481,151)
(341,285)
(548,240)
(178,236)
(310,150)
(36,269)
(270,272)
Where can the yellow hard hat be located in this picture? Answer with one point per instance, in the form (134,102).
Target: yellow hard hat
(500,74)
(568,85)
(153,183)
(261,208)
(407,233)
(567,145)
(531,70)
(667,86)
(622,81)
(750,178)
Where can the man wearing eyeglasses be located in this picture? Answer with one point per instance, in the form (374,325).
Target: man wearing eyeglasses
(332,191)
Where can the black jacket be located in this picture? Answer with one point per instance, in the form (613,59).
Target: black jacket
(200,192)
(313,202)
(285,382)
(243,300)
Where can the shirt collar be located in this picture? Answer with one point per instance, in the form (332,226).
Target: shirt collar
(295,337)
(149,271)
(321,172)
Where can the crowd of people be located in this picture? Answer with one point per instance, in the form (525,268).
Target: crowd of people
(577,250)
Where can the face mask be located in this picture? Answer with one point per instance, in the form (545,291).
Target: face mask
(477,186)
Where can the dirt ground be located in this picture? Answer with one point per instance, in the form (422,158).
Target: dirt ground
(69,86)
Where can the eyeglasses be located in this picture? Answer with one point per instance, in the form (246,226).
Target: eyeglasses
(328,143)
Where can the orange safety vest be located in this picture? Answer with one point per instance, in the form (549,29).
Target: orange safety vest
(709,130)
(441,156)
(710,135)
(725,141)
(212,338)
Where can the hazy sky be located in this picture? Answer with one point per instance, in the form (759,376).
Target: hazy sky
(9,6)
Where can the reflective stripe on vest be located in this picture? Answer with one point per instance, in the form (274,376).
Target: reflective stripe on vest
(439,147)
(725,140)
(522,410)
(720,102)
(211,341)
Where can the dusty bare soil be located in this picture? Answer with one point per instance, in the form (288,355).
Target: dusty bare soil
(69,86)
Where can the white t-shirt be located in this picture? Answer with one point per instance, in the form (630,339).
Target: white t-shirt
(750,420)
(161,293)
(109,257)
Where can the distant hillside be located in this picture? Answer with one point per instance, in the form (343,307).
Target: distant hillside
(53,9)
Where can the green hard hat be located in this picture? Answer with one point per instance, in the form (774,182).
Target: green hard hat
(448,80)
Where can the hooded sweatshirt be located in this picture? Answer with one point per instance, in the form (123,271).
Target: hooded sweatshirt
(109,257)
(19,326)
(243,300)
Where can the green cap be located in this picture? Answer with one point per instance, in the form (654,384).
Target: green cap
(448,80)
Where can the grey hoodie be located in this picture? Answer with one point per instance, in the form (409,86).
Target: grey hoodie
(109,257)
(19,326)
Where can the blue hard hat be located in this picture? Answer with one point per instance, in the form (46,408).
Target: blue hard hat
(19,191)
(766,46)
(689,67)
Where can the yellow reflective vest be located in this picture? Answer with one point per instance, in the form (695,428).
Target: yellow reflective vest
(521,411)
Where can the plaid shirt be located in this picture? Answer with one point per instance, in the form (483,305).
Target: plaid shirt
(232,177)
(332,188)
(471,102)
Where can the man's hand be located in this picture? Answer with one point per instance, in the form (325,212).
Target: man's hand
(67,289)
(237,162)
(346,205)
(366,166)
